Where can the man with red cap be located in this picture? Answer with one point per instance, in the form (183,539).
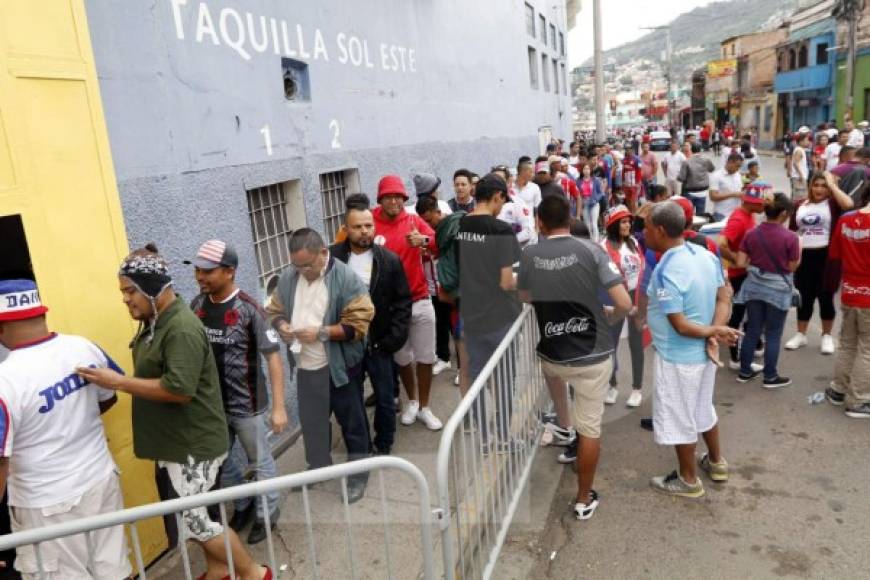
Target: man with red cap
(741,221)
(410,237)
(53,451)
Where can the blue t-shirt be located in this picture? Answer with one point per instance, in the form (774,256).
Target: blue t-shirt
(686,280)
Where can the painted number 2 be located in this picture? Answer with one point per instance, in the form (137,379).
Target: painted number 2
(336,133)
(267,138)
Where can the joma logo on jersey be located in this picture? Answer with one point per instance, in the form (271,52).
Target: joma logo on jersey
(61,389)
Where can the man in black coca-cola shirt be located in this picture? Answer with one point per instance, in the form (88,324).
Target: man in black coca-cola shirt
(563,277)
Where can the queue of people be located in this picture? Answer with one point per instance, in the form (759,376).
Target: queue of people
(364,306)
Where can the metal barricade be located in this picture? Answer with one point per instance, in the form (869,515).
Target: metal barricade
(261,489)
(486,452)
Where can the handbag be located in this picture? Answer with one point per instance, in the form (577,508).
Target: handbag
(796,298)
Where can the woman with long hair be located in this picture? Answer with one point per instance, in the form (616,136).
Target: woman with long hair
(817,278)
(625,252)
(591,194)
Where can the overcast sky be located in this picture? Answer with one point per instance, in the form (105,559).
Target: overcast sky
(621,22)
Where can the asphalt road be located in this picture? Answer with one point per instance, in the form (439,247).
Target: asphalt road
(796,506)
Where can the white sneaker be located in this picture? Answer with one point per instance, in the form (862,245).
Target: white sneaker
(828,346)
(456,380)
(634,399)
(429,419)
(734,365)
(797,341)
(439,367)
(409,415)
(612,394)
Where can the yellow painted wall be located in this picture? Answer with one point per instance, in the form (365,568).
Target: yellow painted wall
(56,172)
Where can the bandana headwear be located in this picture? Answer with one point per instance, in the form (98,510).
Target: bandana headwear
(149,273)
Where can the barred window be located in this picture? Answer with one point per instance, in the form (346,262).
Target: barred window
(334,187)
(267,208)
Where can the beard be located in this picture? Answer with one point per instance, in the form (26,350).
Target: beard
(362,244)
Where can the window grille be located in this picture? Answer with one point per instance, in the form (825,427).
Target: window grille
(267,208)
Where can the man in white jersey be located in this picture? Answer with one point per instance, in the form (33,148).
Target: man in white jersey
(53,452)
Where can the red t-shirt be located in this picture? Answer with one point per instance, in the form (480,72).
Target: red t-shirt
(739,223)
(850,243)
(632,175)
(570,187)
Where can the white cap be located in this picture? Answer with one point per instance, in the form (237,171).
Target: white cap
(864,124)
(804,129)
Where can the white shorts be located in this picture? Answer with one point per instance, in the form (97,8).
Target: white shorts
(67,558)
(420,346)
(682,401)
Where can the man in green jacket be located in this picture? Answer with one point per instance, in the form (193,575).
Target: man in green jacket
(178,416)
(323,310)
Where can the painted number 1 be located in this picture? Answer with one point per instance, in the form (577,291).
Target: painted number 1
(336,133)
(267,138)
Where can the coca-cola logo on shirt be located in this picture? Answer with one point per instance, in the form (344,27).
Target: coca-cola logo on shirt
(574,325)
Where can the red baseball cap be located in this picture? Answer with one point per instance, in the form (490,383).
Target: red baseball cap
(688,209)
(615,214)
(391,185)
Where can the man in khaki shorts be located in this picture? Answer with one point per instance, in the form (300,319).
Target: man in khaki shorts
(562,276)
(53,450)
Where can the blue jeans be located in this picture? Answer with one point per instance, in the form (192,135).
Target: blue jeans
(699,202)
(761,315)
(251,433)
(480,349)
(379,367)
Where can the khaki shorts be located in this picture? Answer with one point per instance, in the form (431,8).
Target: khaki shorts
(590,389)
(420,346)
(67,558)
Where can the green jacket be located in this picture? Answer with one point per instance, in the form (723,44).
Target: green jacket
(448,253)
(349,305)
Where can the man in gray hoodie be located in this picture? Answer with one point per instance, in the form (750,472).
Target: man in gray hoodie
(695,177)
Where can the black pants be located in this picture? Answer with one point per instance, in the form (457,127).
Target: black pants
(442,329)
(738,313)
(810,280)
(379,367)
(319,399)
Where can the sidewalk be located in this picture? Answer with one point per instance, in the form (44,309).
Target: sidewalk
(291,541)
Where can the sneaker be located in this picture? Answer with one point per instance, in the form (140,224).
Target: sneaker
(835,398)
(371,400)
(584,511)
(242,518)
(718,472)
(776,382)
(569,455)
(611,397)
(561,437)
(861,411)
(456,380)
(634,399)
(647,424)
(741,378)
(828,346)
(409,415)
(428,418)
(797,341)
(734,365)
(258,530)
(439,367)
(673,484)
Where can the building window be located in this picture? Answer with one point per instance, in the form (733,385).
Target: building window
(822,53)
(530,20)
(724,51)
(270,224)
(553,38)
(562,43)
(545,71)
(802,56)
(733,49)
(334,187)
(768,117)
(533,68)
(564,80)
(542,25)
(792,59)
(556,76)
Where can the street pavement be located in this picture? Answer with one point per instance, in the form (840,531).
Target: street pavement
(796,505)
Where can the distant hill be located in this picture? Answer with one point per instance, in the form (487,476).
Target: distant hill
(695,35)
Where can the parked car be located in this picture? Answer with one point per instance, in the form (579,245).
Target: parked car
(660,141)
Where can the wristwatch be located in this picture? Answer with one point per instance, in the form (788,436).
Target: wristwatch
(323,334)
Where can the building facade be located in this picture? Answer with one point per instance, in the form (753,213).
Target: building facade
(805,68)
(861,87)
(756,70)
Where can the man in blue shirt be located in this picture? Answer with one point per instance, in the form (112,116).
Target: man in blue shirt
(689,306)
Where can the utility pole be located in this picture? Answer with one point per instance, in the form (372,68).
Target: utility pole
(600,121)
(850,9)
(668,72)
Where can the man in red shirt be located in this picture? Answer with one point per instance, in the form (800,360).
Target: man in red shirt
(410,237)
(741,221)
(632,178)
(850,244)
